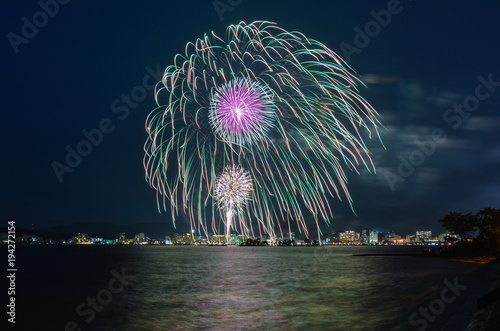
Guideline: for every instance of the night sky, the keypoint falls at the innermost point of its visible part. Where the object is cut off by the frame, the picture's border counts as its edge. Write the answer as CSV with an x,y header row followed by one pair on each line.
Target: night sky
x,y
426,72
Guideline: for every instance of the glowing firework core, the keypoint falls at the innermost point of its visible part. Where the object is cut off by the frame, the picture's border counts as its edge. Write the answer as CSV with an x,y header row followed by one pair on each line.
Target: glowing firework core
x,y
242,111
232,191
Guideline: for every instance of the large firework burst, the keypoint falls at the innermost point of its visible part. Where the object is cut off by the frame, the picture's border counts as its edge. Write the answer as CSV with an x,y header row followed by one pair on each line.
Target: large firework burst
x,y
283,106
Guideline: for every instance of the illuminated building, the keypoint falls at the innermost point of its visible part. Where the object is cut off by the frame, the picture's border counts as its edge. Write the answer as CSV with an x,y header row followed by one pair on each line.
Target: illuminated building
x,y
97,240
423,235
185,238
393,238
140,237
81,239
349,236
373,237
29,238
364,237
219,239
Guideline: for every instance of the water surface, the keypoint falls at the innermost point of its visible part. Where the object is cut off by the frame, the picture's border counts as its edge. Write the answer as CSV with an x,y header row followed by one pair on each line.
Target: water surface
x,y
229,288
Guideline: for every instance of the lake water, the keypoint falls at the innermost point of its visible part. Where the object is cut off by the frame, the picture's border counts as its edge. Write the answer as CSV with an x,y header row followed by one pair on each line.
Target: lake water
x,y
228,288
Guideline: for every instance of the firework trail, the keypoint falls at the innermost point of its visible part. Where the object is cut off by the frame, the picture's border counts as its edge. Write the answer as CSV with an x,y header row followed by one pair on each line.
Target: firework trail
x,y
280,105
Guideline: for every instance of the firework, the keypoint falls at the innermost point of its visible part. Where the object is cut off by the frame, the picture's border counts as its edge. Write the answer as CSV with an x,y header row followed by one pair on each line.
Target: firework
x,y
232,192
242,112
276,103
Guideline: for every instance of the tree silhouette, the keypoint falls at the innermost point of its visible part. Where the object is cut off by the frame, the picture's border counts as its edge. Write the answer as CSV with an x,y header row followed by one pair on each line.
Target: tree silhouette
x,y
465,225
488,222
485,223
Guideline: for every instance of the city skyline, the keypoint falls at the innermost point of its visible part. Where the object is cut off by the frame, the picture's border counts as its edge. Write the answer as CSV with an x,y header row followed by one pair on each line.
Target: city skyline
x,y
365,236
88,104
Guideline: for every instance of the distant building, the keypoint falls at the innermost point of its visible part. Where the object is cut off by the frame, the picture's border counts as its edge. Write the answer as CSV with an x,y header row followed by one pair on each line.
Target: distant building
x,y
373,237
121,238
364,237
392,235
97,240
80,239
423,235
278,241
349,236
217,239
140,238
31,238
220,239
290,235
394,238
185,238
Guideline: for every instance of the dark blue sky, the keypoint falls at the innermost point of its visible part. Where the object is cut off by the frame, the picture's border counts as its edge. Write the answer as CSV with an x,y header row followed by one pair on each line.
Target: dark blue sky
x,y
73,73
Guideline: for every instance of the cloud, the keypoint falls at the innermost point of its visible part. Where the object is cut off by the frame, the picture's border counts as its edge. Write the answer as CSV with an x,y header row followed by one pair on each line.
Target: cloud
x,y
380,79
483,123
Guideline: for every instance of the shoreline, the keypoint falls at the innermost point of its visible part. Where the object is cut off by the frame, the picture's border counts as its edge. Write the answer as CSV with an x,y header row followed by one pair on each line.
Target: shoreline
x,y
478,259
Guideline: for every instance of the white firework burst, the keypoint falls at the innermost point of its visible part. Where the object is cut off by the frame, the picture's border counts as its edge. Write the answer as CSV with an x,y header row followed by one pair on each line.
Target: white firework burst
x,y
232,192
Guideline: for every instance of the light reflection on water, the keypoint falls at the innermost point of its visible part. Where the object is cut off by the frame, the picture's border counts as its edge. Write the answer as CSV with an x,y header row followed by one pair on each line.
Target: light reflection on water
x,y
228,288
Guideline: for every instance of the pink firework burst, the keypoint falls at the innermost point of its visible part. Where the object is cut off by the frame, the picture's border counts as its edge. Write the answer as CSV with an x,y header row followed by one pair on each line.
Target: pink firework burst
x,y
242,111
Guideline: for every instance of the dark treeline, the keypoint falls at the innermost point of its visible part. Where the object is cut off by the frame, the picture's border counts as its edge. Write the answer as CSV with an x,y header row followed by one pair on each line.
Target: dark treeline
x,y
479,233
